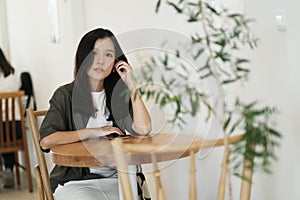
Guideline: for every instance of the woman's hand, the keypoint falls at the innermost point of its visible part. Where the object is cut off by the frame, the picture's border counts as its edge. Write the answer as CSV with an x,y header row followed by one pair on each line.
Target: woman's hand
x,y
125,71
106,130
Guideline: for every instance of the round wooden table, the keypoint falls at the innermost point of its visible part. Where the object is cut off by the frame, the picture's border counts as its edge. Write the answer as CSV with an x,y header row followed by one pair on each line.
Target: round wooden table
x,y
98,152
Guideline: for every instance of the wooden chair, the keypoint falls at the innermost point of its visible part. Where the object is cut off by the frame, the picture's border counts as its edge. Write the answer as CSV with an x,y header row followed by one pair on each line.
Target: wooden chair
x,y
11,107
246,180
122,151
41,170
39,182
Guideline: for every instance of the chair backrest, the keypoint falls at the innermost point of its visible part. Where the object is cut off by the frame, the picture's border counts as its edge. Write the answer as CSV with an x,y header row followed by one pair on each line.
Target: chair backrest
x,y
247,173
32,119
10,109
11,141
123,150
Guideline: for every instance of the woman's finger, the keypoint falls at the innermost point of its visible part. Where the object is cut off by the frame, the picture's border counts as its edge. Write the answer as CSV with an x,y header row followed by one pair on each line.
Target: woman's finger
x,y
110,129
122,67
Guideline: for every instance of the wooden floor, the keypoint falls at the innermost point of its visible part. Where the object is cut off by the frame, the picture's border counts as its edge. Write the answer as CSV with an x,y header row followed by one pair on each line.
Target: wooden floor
x,y
18,193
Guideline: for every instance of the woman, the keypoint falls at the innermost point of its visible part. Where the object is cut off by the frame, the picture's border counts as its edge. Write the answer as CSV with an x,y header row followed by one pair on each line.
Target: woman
x,y
93,105
9,82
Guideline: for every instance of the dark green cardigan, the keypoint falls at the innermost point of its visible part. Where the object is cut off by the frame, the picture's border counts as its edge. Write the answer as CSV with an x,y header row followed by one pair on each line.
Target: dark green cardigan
x,y
60,118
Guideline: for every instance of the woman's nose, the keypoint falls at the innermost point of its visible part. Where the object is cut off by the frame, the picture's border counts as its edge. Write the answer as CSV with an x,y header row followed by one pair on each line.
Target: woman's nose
x,y
100,60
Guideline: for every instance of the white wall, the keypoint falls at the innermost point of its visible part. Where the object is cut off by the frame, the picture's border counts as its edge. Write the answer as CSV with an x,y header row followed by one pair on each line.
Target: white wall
x,y
273,79
273,82
292,100
3,29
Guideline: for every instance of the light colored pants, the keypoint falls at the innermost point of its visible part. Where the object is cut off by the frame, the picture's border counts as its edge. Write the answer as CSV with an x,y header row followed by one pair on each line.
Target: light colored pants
x,y
100,189
94,189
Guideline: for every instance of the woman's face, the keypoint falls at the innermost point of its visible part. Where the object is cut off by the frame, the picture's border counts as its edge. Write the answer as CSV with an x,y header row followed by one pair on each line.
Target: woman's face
x,y
104,57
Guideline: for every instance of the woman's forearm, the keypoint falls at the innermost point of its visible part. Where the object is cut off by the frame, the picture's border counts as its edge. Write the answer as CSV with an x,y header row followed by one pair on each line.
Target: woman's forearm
x,y
141,117
64,137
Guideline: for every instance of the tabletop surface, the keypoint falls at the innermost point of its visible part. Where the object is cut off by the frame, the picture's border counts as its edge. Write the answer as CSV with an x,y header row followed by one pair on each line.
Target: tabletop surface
x,y
98,152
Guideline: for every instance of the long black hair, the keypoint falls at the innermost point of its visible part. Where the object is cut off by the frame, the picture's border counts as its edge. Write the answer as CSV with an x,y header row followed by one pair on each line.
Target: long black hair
x,y
5,66
113,85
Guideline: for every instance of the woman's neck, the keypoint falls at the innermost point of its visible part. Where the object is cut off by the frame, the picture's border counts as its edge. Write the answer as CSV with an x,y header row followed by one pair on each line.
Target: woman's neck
x,y
96,86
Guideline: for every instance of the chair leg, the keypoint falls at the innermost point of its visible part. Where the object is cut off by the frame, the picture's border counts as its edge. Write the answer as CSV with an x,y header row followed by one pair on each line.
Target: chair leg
x,y
193,186
1,167
1,163
28,172
26,169
39,182
160,195
17,169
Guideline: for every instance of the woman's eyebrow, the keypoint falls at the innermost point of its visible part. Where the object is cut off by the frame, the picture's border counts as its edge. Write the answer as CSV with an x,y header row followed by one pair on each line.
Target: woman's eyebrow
x,y
109,50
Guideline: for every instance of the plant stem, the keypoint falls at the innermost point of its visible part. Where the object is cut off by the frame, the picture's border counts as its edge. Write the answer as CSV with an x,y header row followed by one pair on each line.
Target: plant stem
x,y
225,168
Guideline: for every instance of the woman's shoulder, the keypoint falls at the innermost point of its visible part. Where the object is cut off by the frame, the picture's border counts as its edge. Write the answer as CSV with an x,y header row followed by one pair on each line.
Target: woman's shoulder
x,y
66,87
63,91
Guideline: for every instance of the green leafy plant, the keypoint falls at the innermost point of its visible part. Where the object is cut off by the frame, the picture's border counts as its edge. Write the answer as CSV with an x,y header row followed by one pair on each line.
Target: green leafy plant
x,y
219,41
259,133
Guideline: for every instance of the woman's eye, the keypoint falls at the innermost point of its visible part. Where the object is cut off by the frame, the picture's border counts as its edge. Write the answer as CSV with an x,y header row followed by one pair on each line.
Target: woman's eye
x,y
96,54
109,55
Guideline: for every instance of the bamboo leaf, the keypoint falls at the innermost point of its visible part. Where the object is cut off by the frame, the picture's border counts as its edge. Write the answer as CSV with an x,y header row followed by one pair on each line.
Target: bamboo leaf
x,y
177,53
221,42
196,39
227,122
157,97
242,69
194,17
230,81
234,15
222,55
236,124
165,60
157,6
199,52
274,132
179,10
241,60
212,9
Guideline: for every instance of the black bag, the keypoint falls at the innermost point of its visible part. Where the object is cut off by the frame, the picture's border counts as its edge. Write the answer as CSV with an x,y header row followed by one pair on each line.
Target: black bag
x,y
143,190
26,85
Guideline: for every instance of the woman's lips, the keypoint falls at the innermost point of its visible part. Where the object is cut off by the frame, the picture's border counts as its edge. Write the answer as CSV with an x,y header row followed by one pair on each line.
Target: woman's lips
x,y
98,70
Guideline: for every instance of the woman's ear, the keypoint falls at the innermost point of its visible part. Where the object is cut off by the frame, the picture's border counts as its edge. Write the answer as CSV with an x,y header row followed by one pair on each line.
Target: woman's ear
x,y
116,60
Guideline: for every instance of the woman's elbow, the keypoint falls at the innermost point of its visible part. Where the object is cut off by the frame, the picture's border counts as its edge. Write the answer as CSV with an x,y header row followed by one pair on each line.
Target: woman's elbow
x,y
44,143
142,130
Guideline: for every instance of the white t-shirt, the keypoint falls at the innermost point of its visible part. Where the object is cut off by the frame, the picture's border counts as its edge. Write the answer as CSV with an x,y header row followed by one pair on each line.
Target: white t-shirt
x,y
102,114
10,83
